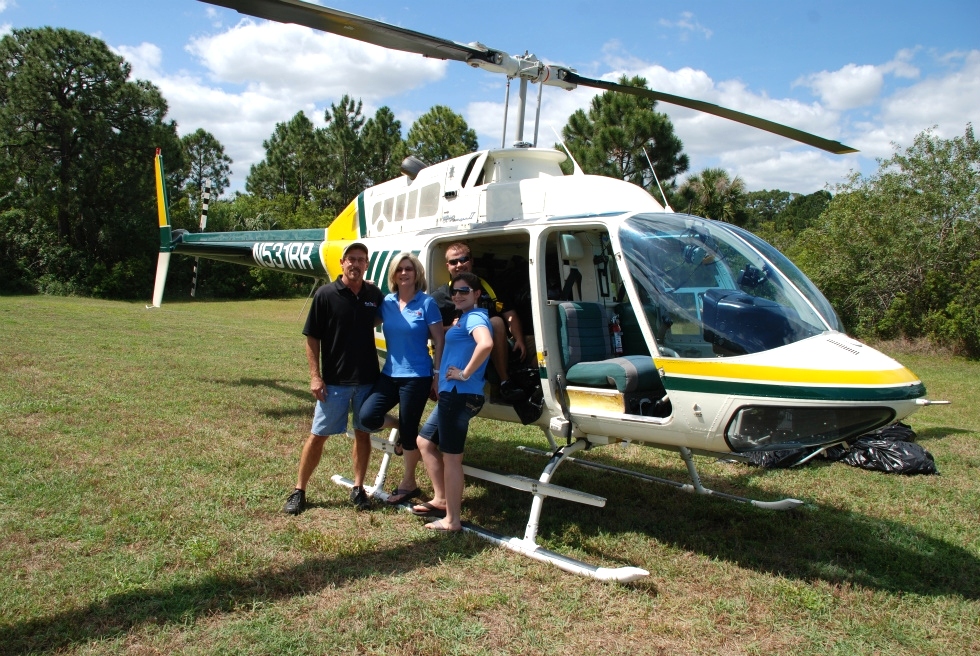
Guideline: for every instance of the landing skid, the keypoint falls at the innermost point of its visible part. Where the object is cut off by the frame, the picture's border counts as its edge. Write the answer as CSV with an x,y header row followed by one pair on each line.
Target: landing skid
x,y
694,487
540,489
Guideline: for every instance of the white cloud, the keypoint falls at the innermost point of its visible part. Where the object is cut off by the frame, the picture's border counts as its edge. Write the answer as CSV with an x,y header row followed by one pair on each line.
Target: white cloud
x,y
848,87
901,65
145,60
760,158
255,74
947,101
274,58
6,28
687,24
853,85
802,170
258,74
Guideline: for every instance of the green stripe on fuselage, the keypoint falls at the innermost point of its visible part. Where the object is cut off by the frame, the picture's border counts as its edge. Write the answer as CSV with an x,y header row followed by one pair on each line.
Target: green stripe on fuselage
x,y
361,216
727,387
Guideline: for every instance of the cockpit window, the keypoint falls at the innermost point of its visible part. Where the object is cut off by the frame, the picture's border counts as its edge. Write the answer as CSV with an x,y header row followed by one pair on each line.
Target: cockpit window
x,y
707,290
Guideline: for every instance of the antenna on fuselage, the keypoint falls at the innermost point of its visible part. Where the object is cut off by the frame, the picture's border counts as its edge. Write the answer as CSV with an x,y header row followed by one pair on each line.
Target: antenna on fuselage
x,y
576,169
667,207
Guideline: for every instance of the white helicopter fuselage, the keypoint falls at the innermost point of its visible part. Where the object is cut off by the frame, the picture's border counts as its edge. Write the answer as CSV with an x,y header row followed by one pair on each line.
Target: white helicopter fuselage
x,y
516,202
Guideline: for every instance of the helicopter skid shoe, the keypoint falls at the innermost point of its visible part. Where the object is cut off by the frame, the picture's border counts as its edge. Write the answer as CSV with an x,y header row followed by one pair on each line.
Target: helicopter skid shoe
x,y
695,487
571,565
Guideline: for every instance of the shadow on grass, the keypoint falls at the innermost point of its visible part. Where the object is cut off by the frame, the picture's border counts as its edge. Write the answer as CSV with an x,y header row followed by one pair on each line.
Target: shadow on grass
x,y
291,390
302,394
184,602
814,542
939,433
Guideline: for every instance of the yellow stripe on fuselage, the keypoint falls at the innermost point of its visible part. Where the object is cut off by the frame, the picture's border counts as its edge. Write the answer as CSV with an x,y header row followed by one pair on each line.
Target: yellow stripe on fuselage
x,y
783,375
344,227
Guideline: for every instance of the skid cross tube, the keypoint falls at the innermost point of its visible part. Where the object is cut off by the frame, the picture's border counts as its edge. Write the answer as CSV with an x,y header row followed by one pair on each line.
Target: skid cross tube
x,y
694,486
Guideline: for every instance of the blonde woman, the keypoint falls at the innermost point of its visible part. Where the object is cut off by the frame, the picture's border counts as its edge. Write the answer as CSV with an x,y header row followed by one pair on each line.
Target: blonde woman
x,y
409,319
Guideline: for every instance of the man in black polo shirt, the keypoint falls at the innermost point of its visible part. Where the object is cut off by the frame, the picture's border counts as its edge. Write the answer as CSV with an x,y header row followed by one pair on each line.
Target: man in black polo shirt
x,y
343,364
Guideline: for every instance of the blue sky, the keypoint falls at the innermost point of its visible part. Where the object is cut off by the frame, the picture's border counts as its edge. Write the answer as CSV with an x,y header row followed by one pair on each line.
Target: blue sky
x,y
869,74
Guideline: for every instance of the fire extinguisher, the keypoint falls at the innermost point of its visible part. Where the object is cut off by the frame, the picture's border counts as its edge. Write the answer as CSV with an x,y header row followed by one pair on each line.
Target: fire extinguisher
x,y
616,331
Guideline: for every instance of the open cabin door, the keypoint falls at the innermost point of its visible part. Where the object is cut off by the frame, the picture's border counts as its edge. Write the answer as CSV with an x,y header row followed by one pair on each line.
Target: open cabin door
x,y
598,357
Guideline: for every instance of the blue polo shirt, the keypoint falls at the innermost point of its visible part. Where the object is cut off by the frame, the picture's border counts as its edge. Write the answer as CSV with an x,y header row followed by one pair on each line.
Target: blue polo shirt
x,y
407,335
459,349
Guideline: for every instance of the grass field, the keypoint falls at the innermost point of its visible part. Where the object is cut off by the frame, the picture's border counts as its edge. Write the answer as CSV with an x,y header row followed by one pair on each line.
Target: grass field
x,y
146,456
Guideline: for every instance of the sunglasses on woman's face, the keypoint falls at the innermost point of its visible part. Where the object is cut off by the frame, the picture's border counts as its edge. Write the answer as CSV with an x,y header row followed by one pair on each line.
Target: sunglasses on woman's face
x,y
461,290
407,269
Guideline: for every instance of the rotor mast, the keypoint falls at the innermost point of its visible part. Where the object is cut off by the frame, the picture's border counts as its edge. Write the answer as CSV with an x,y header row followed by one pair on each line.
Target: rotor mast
x,y
527,68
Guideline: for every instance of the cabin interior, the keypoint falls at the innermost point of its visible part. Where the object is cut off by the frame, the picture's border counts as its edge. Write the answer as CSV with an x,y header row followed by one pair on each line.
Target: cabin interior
x,y
568,292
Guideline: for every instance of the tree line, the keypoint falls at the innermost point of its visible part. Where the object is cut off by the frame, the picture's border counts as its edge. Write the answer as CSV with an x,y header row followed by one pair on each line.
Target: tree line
x,y
895,252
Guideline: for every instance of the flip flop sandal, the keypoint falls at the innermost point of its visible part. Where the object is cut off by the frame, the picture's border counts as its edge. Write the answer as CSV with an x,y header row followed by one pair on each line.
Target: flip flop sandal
x,y
428,510
403,495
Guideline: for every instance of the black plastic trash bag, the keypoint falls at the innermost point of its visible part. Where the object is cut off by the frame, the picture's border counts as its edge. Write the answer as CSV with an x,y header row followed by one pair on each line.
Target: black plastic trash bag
x,y
837,452
779,459
890,456
897,432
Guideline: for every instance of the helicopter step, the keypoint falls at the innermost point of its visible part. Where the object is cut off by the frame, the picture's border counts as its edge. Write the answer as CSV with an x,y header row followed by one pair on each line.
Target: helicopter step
x,y
540,489
694,487
533,486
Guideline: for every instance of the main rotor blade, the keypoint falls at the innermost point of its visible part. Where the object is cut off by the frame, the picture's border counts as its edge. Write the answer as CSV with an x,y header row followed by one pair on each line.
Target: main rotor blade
x,y
397,38
354,27
747,119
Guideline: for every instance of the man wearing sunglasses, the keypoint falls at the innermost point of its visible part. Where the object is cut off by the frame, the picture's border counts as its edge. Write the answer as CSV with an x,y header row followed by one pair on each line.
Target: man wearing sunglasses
x,y
503,317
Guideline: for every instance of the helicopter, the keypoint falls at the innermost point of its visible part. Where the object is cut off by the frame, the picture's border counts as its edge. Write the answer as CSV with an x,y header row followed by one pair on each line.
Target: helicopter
x,y
650,327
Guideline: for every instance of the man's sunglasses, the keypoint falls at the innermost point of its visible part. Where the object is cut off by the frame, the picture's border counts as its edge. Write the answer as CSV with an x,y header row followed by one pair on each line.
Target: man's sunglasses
x,y
460,290
459,260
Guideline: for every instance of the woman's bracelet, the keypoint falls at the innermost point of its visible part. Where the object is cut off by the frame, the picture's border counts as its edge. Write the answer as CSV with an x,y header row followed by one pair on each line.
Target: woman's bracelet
x,y
462,377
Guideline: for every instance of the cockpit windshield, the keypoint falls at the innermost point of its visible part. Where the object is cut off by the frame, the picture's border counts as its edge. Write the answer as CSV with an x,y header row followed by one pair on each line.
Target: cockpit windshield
x,y
708,289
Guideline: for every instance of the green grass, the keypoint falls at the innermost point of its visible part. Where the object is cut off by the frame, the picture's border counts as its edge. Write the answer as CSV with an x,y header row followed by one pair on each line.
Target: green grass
x,y
146,456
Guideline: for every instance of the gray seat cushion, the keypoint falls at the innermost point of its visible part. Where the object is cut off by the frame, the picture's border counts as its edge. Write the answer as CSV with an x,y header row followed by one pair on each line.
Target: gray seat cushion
x,y
584,332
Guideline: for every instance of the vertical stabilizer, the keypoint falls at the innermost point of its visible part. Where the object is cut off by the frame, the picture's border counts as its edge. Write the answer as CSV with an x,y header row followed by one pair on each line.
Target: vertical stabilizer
x,y
163,218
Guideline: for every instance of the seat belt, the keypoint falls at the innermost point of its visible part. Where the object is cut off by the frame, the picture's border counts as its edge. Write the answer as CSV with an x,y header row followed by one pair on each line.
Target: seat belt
x,y
574,279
